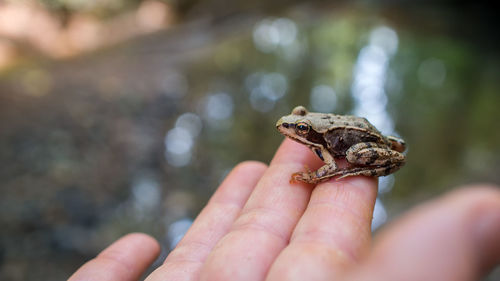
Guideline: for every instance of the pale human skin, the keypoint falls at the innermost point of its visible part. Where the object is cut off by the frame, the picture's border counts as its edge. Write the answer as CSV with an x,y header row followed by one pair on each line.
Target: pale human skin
x,y
258,226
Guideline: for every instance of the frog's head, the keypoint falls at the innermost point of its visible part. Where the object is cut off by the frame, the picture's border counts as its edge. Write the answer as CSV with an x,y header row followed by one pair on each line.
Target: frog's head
x,y
299,126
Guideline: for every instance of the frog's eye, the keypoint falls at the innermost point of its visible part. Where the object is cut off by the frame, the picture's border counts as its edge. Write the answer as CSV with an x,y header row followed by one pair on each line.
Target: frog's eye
x,y
302,128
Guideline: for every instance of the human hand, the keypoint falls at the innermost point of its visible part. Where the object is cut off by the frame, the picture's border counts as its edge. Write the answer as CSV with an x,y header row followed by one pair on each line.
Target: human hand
x,y
258,226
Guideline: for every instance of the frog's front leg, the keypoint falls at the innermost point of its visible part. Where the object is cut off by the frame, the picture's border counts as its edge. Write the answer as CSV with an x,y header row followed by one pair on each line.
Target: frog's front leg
x,y
320,174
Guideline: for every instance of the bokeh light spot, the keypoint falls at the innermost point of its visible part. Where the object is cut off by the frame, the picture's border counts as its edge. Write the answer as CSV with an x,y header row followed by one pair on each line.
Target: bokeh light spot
x,y
270,34
219,107
385,38
146,194
178,143
190,122
177,230
323,99
379,215
432,72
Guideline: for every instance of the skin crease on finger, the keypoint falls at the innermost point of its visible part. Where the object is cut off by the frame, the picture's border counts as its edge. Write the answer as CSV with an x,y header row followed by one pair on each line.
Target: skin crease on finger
x,y
454,238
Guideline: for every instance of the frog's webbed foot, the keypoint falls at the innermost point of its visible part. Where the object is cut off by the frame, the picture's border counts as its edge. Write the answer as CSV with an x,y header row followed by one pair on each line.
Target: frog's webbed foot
x,y
302,176
309,177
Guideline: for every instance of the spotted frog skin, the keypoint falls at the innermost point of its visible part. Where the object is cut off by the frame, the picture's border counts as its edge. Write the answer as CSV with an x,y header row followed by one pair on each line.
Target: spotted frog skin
x,y
330,136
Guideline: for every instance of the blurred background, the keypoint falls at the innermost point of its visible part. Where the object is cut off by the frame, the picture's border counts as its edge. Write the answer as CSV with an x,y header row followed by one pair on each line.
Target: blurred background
x,y
124,115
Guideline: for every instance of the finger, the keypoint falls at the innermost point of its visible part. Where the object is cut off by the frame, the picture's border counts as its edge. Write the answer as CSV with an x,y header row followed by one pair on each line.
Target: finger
x,y
454,238
264,227
333,233
185,261
125,259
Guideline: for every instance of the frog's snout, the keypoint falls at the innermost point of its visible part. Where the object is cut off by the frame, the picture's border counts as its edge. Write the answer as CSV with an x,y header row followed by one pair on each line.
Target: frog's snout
x,y
278,124
282,124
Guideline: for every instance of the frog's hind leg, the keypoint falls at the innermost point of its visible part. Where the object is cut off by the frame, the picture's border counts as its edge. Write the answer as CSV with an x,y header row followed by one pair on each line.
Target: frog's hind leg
x,y
367,171
372,159
373,154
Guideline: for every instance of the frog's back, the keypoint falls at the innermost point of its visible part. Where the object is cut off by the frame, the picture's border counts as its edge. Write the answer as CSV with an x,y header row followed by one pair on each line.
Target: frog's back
x,y
346,131
354,121
332,121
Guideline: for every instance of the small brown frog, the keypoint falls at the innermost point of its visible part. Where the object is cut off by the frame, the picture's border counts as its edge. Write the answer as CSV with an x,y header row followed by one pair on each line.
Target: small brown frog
x,y
330,136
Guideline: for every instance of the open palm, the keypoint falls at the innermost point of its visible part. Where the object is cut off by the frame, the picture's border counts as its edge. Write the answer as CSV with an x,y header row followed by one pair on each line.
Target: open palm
x,y
258,226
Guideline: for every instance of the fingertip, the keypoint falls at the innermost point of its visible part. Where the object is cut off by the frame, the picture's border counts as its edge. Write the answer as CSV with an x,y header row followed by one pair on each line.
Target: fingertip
x,y
132,246
250,167
240,182
147,241
293,152
125,259
481,205
476,195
